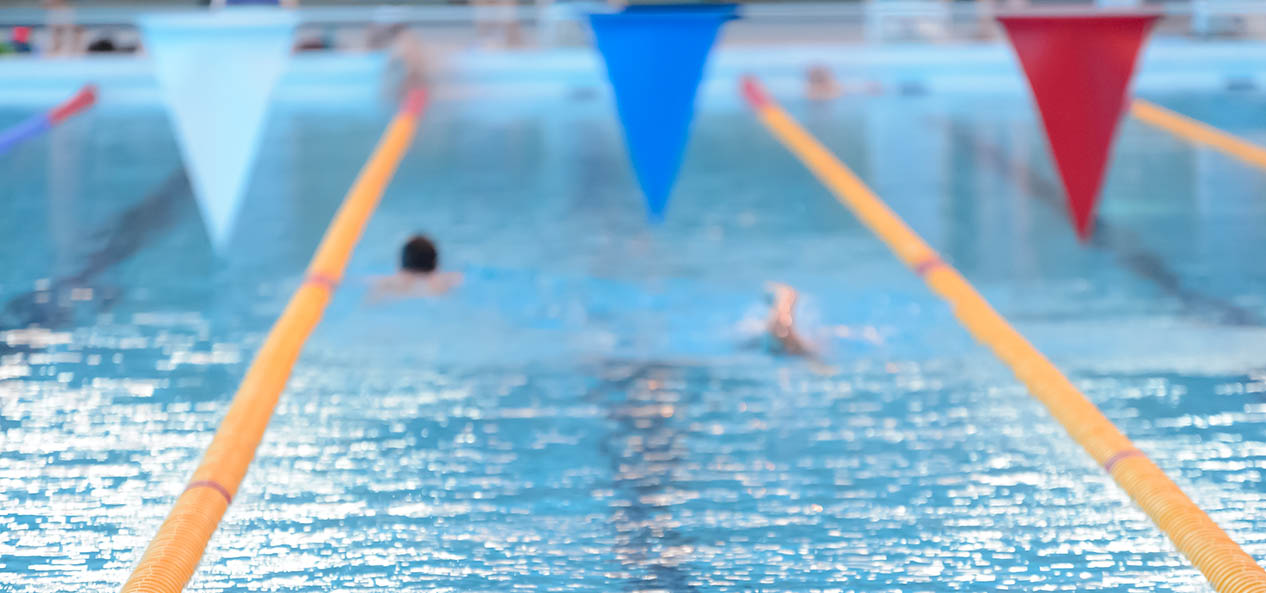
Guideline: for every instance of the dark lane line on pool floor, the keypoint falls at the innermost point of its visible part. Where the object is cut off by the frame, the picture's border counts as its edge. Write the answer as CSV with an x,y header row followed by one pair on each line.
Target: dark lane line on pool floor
x,y
120,239
1121,242
634,399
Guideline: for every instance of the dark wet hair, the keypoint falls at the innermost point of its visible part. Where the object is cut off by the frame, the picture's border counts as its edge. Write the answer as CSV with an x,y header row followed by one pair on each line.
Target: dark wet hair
x,y
419,255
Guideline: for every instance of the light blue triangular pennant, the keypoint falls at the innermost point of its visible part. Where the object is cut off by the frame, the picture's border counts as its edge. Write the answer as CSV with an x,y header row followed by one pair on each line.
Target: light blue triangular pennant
x,y
217,70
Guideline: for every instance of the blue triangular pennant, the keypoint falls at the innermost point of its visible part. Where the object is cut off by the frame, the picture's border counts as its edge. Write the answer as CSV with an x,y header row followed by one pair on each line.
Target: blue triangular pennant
x,y
655,57
216,71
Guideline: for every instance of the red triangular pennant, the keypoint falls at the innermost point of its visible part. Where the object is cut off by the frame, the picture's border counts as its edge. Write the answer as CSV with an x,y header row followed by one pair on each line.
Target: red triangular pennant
x,y
1079,67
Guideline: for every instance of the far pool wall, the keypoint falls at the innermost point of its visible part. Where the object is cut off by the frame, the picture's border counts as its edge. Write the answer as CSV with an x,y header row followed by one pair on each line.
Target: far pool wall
x,y
331,79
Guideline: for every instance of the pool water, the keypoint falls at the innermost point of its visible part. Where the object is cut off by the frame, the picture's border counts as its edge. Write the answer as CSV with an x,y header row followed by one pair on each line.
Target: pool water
x,y
590,411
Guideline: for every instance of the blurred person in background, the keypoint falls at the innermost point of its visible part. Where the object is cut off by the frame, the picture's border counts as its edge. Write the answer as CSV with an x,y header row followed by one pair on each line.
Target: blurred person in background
x,y
406,61
820,84
62,36
313,40
497,22
223,3
20,40
102,45
986,10
107,41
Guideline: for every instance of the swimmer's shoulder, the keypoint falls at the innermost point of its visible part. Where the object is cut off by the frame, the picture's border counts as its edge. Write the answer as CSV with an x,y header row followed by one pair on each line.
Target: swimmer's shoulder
x,y
438,283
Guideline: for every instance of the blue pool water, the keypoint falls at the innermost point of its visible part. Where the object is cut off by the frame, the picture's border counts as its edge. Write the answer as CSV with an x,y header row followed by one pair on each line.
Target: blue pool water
x,y
587,412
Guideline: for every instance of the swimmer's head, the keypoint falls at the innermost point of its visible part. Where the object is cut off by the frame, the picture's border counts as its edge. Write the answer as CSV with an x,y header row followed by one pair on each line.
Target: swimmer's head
x,y
819,75
419,255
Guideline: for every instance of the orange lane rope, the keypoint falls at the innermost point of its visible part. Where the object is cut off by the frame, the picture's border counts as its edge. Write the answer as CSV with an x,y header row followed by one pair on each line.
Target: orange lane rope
x,y
1227,566
173,554
1198,132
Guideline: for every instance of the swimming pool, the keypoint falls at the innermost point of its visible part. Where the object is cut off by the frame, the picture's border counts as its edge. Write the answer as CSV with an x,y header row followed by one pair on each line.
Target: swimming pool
x,y
587,412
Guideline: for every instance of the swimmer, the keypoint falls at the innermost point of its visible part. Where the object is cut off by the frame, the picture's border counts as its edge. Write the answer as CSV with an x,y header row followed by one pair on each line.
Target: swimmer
x,y
419,274
820,84
781,325
408,68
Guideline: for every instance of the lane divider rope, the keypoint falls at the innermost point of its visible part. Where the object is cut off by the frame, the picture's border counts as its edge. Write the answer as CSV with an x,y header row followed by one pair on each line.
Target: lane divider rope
x,y
172,556
1118,456
1198,132
927,264
323,280
1223,562
212,484
37,124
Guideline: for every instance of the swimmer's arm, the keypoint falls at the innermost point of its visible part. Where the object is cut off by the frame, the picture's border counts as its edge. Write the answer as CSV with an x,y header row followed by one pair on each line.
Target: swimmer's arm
x,y
793,344
398,287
